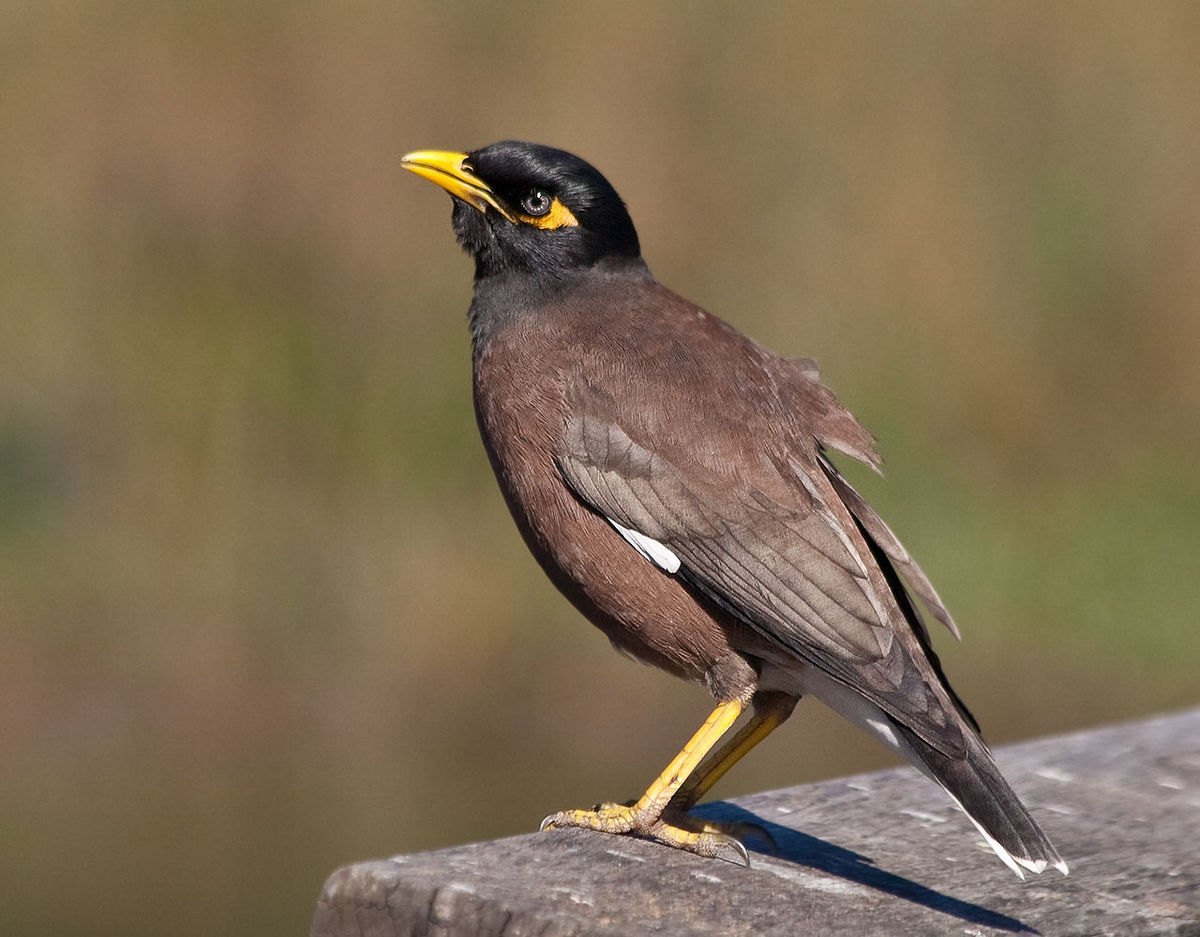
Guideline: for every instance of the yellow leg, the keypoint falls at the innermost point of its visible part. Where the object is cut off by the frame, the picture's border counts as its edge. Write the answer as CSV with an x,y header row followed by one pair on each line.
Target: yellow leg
x,y
770,711
644,817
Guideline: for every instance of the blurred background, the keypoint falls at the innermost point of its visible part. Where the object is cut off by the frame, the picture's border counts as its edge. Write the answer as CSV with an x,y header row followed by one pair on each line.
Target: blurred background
x,y
262,611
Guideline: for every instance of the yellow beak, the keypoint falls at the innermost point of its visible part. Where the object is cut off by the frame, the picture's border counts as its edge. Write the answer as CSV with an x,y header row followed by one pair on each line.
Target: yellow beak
x,y
452,172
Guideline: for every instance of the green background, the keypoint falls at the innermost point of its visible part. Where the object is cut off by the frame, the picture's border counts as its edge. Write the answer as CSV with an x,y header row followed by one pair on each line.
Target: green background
x,y
262,610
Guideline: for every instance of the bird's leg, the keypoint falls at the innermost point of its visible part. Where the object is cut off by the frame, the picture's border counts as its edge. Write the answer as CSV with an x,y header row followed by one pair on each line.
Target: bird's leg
x,y
770,711
645,816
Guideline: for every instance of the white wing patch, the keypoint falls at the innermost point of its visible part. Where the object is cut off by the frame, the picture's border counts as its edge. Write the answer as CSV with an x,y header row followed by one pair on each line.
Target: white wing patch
x,y
649,548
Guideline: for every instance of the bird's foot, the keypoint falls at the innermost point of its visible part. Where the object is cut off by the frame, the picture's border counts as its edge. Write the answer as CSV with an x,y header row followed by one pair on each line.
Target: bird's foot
x,y
673,828
604,818
736,831
740,830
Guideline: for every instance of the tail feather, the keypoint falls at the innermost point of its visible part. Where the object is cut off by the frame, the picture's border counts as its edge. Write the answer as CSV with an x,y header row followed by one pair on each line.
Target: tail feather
x,y
976,784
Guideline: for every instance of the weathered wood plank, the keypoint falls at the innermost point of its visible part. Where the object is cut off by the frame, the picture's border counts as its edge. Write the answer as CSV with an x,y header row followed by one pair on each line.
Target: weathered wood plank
x,y
880,853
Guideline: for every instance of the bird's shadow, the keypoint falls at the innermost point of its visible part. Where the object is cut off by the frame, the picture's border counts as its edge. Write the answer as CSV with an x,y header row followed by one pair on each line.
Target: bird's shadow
x,y
802,849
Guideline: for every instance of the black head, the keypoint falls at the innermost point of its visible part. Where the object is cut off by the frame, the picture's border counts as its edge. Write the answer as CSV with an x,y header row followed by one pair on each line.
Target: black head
x,y
526,208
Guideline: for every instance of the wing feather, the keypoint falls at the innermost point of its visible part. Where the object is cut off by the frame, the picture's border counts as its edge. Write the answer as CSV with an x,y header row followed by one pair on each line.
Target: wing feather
x,y
781,550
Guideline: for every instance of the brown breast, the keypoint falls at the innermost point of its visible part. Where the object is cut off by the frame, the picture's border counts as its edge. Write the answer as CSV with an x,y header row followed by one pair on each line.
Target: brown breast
x,y
521,377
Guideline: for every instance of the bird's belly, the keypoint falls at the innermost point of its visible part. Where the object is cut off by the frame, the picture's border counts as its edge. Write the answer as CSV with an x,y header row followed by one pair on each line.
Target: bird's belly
x,y
643,611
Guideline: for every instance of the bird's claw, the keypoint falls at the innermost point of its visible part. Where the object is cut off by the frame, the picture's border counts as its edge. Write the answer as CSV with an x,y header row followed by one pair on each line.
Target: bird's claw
x,y
706,838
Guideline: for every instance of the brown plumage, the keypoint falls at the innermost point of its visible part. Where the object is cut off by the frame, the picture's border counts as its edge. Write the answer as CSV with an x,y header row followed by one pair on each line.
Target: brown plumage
x,y
671,477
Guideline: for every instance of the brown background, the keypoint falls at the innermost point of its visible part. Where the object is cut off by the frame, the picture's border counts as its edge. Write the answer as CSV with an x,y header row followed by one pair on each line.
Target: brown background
x,y
261,608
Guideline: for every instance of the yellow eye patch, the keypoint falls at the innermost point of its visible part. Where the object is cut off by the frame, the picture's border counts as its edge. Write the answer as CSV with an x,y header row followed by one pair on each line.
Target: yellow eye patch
x,y
559,216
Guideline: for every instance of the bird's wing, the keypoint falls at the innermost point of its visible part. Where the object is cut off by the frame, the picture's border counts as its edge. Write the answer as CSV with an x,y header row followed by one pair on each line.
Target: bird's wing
x,y
833,426
879,532
775,542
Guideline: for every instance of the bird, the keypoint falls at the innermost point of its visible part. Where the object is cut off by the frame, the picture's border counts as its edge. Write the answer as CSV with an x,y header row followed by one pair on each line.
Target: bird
x,y
674,480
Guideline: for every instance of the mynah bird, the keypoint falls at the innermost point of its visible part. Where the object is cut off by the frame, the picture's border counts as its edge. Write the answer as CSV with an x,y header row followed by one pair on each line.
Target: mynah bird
x,y
673,479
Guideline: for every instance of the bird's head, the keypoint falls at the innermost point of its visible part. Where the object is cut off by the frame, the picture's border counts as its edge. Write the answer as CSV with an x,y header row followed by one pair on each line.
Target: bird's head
x,y
523,207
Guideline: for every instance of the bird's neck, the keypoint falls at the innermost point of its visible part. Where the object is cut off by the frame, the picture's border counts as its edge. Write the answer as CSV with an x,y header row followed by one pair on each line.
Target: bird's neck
x,y
504,297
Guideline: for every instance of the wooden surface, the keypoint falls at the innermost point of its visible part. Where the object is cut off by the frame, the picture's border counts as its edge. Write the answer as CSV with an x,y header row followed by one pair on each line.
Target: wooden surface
x,y
881,853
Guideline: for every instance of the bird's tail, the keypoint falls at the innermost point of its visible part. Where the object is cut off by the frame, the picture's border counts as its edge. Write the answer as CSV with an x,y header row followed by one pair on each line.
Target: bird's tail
x,y
976,784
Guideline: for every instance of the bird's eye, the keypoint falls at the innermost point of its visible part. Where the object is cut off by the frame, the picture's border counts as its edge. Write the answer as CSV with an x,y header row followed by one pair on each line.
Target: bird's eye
x,y
536,203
